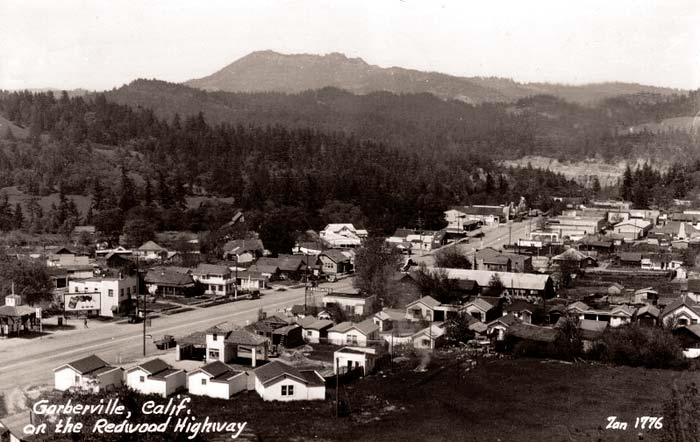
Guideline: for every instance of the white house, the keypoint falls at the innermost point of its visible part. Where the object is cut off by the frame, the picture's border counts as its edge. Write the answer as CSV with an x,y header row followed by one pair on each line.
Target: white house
x,y
150,251
64,258
633,229
99,296
350,358
155,377
682,311
226,342
314,330
217,280
387,317
480,309
343,235
430,337
90,374
353,303
422,309
216,380
276,381
357,334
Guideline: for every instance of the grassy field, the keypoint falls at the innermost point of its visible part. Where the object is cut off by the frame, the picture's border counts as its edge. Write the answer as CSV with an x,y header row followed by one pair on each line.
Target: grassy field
x,y
500,400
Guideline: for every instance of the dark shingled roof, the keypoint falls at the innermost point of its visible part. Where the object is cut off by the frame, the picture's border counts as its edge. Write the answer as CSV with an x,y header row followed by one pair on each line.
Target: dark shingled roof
x,y
88,364
275,369
154,366
168,277
533,332
217,369
161,375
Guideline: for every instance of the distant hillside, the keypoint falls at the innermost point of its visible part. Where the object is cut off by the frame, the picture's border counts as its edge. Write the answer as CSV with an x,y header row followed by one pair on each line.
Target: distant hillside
x,y
268,71
16,131
539,125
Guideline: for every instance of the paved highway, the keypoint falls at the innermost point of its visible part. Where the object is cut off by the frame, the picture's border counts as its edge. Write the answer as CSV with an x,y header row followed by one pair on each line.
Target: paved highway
x,y
495,237
26,363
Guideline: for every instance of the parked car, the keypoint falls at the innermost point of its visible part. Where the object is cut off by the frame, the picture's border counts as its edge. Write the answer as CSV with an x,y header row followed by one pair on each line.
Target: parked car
x,y
166,342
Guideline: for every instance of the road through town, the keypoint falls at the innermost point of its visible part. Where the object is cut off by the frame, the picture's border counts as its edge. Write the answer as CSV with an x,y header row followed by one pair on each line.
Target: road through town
x,y
29,363
495,237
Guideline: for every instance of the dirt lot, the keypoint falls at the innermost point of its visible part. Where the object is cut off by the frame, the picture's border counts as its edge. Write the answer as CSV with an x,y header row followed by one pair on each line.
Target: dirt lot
x,y
506,400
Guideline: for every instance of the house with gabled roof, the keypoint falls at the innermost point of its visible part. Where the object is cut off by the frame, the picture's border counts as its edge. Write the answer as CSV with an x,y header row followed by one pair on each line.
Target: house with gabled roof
x,y
647,316
354,358
334,263
243,251
276,381
216,279
361,334
633,229
12,428
499,326
216,380
682,311
90,374
166,282
482,309
155,377
267,267
342,235
315,330
351,301
226,342
430,337
387,317
572,259
150,251
422,309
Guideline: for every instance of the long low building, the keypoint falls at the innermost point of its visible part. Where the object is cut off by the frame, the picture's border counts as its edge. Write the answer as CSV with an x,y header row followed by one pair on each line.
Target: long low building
x,y
522,285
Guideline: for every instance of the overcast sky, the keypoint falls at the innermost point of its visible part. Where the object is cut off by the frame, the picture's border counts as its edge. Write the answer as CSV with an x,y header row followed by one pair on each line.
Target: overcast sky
x,y
103,44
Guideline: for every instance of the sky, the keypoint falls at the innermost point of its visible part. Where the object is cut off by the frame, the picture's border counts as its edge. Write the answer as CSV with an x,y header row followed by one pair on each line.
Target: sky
x,y
101,44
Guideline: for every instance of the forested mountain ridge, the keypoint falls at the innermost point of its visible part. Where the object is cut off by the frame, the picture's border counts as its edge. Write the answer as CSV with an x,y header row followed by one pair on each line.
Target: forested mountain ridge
x,y
269,71
540,125
286,179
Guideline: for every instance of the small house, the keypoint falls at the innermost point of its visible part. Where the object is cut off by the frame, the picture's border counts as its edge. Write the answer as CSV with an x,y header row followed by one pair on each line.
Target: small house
x,y
354,358
91,374
226,342
315,330
430,337
357,334
155,377
216,380
422,309
276,381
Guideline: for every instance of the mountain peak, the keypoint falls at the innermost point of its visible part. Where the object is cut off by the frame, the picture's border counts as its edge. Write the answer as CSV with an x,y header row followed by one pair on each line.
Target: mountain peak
x,y
270,71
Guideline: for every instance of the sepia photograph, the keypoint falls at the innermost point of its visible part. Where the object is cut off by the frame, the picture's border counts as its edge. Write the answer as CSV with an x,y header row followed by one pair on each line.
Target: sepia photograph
x,y
350,220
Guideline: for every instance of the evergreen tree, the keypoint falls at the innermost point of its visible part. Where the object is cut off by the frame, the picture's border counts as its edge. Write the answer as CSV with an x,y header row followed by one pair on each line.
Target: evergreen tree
x,y
627,183
127,197
19,217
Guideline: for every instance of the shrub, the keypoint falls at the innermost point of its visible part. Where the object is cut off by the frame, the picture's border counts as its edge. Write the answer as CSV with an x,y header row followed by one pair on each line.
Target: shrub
x,y
639,347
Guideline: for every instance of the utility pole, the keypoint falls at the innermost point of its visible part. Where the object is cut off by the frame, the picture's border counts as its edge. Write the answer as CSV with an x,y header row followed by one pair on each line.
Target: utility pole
x,y
337,386
235,282
138,292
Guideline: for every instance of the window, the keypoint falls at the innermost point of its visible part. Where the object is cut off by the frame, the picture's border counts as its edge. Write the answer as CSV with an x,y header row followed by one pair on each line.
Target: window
x,y
128,291
214,337
288,390
204,381
121,293
110,292
351,339
77,379
213,354
309,332
142,378
426,342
